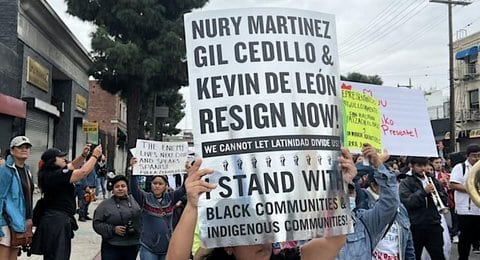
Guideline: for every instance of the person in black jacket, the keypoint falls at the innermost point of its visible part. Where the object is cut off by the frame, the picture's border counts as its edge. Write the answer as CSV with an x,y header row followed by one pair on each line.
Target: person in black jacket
x,y
416,193
56,222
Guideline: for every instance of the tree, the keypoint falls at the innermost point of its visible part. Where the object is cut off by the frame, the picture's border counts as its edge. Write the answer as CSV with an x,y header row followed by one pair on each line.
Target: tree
x,y
168,98
358,77
138,49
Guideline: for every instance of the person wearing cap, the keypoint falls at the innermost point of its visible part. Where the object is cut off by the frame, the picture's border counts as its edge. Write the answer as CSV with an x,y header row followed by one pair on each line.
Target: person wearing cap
x,y
416,194
16,195
468,213
119,221
157,210
56,223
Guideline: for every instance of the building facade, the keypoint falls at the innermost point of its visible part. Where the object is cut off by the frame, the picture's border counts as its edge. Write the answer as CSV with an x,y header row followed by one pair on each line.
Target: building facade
x,y
467,85
45,76
438,112
110,112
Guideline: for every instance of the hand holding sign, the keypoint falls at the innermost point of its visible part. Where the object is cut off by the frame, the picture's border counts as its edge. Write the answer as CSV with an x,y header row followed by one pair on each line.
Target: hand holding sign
x,y
194,183
347,166
133,161
371,154
182,238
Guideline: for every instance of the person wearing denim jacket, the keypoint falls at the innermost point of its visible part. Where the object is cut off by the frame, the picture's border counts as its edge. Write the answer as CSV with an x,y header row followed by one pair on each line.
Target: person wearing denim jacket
x,y
370,224
406,249
16,191
13,204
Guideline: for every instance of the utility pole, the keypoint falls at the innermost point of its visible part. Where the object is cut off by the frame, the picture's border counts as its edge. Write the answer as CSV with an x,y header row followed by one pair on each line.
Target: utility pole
x,y
450,3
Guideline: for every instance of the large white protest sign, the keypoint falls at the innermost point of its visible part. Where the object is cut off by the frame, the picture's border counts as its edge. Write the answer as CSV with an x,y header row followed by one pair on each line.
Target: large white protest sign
x,y
404,121
267,117
160,158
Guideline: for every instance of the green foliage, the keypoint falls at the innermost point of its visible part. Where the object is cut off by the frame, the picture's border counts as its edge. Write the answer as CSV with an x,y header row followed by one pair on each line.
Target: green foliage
x,y
138,49
358,77
171,99
176,104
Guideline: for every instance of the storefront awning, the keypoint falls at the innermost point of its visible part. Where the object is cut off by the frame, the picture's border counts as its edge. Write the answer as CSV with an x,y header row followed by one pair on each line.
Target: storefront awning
x,y
13,106
122,132
472,51
475,133
121,136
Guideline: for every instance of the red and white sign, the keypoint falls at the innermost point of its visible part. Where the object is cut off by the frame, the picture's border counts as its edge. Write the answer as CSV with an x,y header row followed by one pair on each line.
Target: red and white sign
x,y
405,125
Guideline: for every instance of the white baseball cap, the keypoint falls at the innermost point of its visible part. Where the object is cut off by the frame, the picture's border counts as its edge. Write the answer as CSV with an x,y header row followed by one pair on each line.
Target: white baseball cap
x,y
19,141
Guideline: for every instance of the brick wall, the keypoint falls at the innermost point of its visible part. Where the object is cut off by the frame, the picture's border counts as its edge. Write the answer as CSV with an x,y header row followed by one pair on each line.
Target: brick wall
x,y
102,107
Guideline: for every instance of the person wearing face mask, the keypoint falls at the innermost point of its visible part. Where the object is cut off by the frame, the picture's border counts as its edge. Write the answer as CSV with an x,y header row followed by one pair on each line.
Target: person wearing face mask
x,y
416,193
56,223
157,211
370,223
119,221
468,213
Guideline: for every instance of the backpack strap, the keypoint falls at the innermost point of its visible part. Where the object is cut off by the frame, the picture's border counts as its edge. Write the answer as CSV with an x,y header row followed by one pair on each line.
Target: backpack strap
x,y
464,168
390,224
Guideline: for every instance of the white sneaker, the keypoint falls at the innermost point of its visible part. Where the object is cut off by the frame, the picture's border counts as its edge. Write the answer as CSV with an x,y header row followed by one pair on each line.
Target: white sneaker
x,y
455,239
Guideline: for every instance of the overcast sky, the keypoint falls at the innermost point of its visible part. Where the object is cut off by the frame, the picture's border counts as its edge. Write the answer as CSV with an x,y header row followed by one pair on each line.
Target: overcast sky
x,y
396,39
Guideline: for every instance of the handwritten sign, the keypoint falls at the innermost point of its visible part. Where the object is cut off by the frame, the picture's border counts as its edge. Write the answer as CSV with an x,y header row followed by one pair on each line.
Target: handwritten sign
x,y
404,121
160,158
267,118
361,116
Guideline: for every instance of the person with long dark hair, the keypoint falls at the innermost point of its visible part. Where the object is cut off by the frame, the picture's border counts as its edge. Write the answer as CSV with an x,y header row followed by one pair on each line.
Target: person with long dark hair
x,y
56,222
157,210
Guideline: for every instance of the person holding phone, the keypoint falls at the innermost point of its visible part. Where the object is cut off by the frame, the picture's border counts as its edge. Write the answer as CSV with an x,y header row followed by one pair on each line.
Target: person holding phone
x,y
56,178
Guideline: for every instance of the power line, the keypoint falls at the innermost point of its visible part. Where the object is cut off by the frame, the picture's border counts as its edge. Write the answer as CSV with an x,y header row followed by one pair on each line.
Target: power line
x,y
415,75
453,126
404,19
372,23
373,28
410,40
385,27
395,46
395,72
475,20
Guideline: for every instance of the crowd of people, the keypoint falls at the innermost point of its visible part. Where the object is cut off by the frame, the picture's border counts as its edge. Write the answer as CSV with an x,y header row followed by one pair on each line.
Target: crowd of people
x,y
402,208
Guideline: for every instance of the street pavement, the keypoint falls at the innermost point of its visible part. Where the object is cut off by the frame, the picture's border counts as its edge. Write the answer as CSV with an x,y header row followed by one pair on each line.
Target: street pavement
x,y
86,243
454,255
